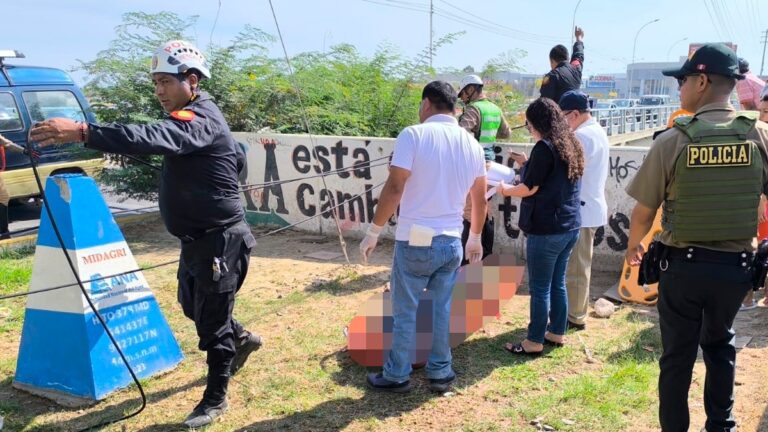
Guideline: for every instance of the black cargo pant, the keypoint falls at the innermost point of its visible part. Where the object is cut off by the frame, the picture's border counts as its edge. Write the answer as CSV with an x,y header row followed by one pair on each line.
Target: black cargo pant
x,y
209,302
698,301
486,237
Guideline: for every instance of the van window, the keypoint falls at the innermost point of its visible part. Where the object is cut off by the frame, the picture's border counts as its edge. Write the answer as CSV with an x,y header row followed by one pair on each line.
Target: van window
x,y
43,105
10,120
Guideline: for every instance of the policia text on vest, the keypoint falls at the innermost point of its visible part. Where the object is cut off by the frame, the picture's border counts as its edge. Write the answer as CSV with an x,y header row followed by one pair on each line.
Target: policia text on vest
x,y
718,155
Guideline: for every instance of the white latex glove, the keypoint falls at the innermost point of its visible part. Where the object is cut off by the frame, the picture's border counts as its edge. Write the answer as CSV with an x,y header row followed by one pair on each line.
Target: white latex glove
x,y
473,252
369,241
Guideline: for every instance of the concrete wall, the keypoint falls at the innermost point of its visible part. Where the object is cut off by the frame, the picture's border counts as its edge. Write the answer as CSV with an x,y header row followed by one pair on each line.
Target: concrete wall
x,y
273,157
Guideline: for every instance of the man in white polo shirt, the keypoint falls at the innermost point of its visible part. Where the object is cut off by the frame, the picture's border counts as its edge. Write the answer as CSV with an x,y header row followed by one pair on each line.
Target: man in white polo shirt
x,y
594,209
435,165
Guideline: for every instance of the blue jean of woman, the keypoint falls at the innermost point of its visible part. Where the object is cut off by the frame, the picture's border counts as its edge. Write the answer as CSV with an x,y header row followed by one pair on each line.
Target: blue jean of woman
x,y
547,260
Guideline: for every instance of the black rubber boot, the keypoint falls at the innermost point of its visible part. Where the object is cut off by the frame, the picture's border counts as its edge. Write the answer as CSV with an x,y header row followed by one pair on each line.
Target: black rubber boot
x,y
4,234
246,344
213,405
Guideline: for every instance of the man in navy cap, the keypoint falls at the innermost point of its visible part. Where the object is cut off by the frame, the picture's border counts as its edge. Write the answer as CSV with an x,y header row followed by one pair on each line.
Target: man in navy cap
x,y
594,209
708,172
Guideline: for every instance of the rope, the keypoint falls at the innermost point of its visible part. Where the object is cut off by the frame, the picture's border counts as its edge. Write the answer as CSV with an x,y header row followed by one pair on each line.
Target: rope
x,y
306,124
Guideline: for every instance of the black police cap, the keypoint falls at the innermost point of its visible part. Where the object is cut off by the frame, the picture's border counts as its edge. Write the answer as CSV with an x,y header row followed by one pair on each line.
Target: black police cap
x,y
714,58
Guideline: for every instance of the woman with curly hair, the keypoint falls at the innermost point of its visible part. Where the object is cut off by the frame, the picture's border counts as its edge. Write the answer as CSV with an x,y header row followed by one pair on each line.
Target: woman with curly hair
x,y
550,218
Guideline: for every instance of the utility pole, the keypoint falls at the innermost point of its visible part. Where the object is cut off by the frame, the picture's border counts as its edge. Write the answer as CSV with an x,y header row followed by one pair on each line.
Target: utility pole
x,y
764,41
431,32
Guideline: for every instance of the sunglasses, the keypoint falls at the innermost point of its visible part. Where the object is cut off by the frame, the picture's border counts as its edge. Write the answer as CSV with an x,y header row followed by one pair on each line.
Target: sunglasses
x,y
683,79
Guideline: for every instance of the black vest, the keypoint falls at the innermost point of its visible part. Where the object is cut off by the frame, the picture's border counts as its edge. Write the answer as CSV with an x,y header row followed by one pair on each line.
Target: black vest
x,y
555,207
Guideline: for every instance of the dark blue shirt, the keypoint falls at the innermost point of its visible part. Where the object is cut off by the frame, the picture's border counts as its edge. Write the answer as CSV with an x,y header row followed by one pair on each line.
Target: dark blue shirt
x,y
555,207
199,182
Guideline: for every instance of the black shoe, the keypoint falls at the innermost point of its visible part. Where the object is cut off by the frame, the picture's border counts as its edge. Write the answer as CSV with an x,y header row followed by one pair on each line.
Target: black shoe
x,y
245,347
377,382
205,413
576,327
442,385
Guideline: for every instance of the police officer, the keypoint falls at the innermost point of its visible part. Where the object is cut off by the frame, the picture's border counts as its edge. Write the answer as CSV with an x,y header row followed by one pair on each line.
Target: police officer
x,y
199,202
564,76
708,172
485,120
481,117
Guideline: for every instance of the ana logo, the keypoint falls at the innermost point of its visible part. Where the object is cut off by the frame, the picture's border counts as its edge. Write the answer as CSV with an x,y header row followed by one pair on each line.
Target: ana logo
x,y
98,285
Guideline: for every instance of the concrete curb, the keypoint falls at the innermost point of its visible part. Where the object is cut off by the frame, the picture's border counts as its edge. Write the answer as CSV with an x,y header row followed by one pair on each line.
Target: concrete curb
x,y
31,239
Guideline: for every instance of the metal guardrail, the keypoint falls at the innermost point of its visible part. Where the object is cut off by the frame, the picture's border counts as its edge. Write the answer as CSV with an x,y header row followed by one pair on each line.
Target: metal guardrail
x,y
618,121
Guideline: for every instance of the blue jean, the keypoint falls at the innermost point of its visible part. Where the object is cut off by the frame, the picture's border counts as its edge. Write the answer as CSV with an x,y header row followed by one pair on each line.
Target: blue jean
x,y
414,269
547,262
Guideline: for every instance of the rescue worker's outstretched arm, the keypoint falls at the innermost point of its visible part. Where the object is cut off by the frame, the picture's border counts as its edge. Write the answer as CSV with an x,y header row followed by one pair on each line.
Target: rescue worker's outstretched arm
x,y
168,137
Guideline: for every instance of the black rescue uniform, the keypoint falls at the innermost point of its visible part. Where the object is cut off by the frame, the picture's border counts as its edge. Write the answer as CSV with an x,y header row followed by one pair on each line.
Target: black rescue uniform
x,y
200,204
709,187
566,76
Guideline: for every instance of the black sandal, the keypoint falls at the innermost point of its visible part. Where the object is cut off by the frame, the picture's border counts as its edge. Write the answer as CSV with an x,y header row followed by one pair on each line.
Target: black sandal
x,y
518,349
553,343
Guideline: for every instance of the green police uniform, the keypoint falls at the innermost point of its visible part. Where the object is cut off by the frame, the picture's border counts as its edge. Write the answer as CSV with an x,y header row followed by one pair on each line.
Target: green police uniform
x,y
706,173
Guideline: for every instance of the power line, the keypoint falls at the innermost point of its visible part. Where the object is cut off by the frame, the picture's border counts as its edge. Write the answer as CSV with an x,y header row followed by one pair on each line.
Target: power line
x,y
501,26
712,19
397,7
765,42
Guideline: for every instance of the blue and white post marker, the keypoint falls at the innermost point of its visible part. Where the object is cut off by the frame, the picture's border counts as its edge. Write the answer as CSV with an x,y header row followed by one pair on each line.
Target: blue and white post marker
x,y
65,354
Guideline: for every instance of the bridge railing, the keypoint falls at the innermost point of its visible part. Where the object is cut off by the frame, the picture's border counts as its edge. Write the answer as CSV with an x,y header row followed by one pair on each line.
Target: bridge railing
x,y
617,121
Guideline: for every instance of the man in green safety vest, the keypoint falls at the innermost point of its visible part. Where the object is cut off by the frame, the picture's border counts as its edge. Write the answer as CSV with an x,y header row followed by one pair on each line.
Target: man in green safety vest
x,y
485,121
481,117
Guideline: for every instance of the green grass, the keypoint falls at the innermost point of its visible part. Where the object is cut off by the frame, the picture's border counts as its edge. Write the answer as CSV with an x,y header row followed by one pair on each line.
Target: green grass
x,y
302,379
15,273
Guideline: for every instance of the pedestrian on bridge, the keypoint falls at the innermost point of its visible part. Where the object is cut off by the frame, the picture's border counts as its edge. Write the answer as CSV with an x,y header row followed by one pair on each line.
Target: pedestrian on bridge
x,y
199,202
708,172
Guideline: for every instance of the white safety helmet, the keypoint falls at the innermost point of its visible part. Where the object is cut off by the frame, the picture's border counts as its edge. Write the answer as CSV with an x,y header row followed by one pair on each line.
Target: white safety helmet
x,y
177,57
469,79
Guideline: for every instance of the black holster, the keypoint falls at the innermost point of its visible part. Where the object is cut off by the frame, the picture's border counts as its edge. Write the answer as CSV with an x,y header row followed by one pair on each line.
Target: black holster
x,y
650,266
760,265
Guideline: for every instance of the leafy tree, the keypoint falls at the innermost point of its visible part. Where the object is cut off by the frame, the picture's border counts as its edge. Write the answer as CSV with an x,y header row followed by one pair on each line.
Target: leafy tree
x,y
338,92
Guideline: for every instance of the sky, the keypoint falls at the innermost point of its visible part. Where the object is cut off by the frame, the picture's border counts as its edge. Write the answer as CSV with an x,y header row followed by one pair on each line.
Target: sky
x,y
57,33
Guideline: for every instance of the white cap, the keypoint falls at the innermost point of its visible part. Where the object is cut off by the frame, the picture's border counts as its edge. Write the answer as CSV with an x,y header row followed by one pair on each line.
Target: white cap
x,y
469,79
177,57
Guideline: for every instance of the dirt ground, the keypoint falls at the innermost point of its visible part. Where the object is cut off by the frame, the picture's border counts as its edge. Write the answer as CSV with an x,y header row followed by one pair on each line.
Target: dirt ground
x,y
279,272
287,266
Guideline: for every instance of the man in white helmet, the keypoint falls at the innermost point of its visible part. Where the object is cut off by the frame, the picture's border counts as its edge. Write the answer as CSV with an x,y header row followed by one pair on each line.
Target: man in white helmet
x,y
199,202
485,120
481,117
